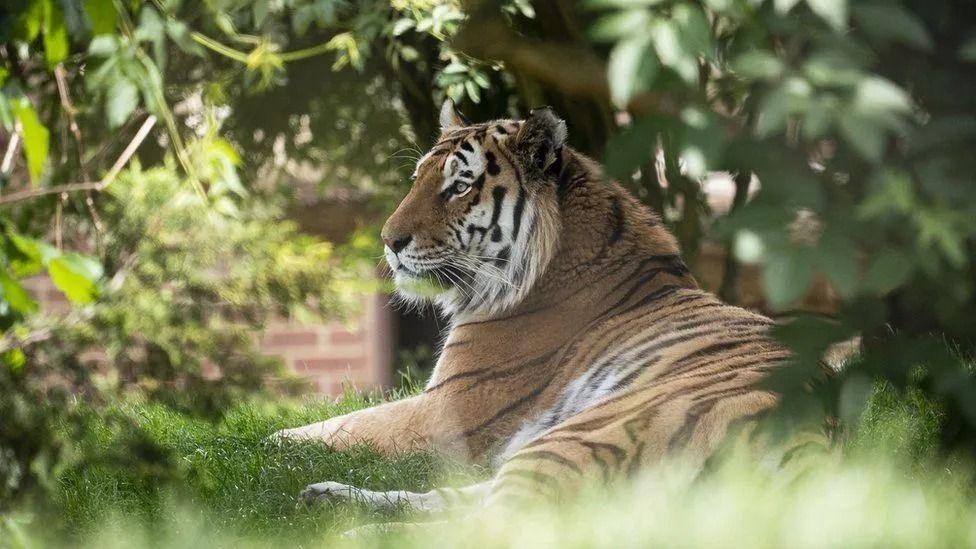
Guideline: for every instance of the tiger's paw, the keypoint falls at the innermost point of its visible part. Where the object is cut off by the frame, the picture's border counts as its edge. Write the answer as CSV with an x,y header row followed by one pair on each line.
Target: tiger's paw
x,y
330,491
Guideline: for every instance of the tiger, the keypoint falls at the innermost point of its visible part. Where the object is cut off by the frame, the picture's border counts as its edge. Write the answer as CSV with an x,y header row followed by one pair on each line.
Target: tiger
x,y
580,346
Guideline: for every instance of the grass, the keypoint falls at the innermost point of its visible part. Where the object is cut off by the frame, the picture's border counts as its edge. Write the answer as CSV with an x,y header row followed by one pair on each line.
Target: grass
x,y
885,488
243,483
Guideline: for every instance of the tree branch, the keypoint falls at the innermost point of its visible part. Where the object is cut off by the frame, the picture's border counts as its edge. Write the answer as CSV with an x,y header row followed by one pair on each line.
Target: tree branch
x,y
120,163
570,69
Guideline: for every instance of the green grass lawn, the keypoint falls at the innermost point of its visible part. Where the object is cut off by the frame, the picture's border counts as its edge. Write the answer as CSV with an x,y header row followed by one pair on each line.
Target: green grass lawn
x,y
241,482
234,488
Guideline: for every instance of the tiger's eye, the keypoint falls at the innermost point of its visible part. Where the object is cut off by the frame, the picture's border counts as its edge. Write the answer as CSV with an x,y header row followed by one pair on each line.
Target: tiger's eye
x,y
460,188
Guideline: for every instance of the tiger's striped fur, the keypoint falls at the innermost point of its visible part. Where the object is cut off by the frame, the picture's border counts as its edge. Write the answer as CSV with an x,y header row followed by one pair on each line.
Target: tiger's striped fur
x,y
580,344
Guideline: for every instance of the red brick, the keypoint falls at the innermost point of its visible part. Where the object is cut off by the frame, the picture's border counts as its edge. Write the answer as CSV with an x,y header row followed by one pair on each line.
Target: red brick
x,y
341,336
330,364
288,338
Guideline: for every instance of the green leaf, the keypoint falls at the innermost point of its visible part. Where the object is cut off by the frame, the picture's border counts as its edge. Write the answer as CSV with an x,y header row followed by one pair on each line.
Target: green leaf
x,y
937,227
101,15
26,255
783,6
122,99
402,26
786,276
878,95
758,64
672,52
15,295
619,25
892,22
36,138
838,259
866,136
472,90
259,10
103,46
15,359
179,33
891,192
834,12
631,69
602,4
55,34
76,276
887,270
632,147
967,52
29,23
302,18
693,29
818,117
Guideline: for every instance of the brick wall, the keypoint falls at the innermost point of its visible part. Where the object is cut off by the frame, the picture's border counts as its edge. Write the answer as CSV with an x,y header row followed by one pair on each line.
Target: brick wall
x,y
358,352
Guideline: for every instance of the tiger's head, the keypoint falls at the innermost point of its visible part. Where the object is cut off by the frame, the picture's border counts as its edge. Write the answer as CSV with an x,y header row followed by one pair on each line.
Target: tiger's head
x,y
481,221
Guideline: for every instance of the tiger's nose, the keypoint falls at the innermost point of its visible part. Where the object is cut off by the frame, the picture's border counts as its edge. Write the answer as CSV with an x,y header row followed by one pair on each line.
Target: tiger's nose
x,y
397,243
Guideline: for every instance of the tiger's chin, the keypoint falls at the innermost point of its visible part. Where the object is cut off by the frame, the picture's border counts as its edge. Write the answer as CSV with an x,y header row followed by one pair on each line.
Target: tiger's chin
x,y
416,290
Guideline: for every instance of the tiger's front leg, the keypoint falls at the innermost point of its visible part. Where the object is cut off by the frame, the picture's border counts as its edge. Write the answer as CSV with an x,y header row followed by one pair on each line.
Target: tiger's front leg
x,y
408,425
434,501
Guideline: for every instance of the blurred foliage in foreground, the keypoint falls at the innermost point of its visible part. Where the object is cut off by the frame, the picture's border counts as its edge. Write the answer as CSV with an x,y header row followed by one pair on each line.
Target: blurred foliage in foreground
x,y
152,148
888,487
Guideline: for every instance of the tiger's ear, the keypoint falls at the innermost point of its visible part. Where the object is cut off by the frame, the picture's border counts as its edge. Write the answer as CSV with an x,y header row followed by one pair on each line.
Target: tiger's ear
x,y
450,117
539,142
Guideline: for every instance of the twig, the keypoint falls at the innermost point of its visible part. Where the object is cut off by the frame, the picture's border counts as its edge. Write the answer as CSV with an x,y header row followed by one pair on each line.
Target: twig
x,y
8,157
120,163
69,111
41,332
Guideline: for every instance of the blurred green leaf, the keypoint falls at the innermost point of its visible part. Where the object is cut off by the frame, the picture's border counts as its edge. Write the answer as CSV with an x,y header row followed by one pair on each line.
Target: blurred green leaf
x,y
55,33
600,4
889,21
887,270
938,227
786,276
878,95
633,146
838,259
834,12
631,69
967,51
693,29
35,138
179,33
15,359
101,15
818,117
864,134
672,50
15,295
76,276
892,191
103,46
259,11
619,25
402,26
783,6
121,100
758,64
